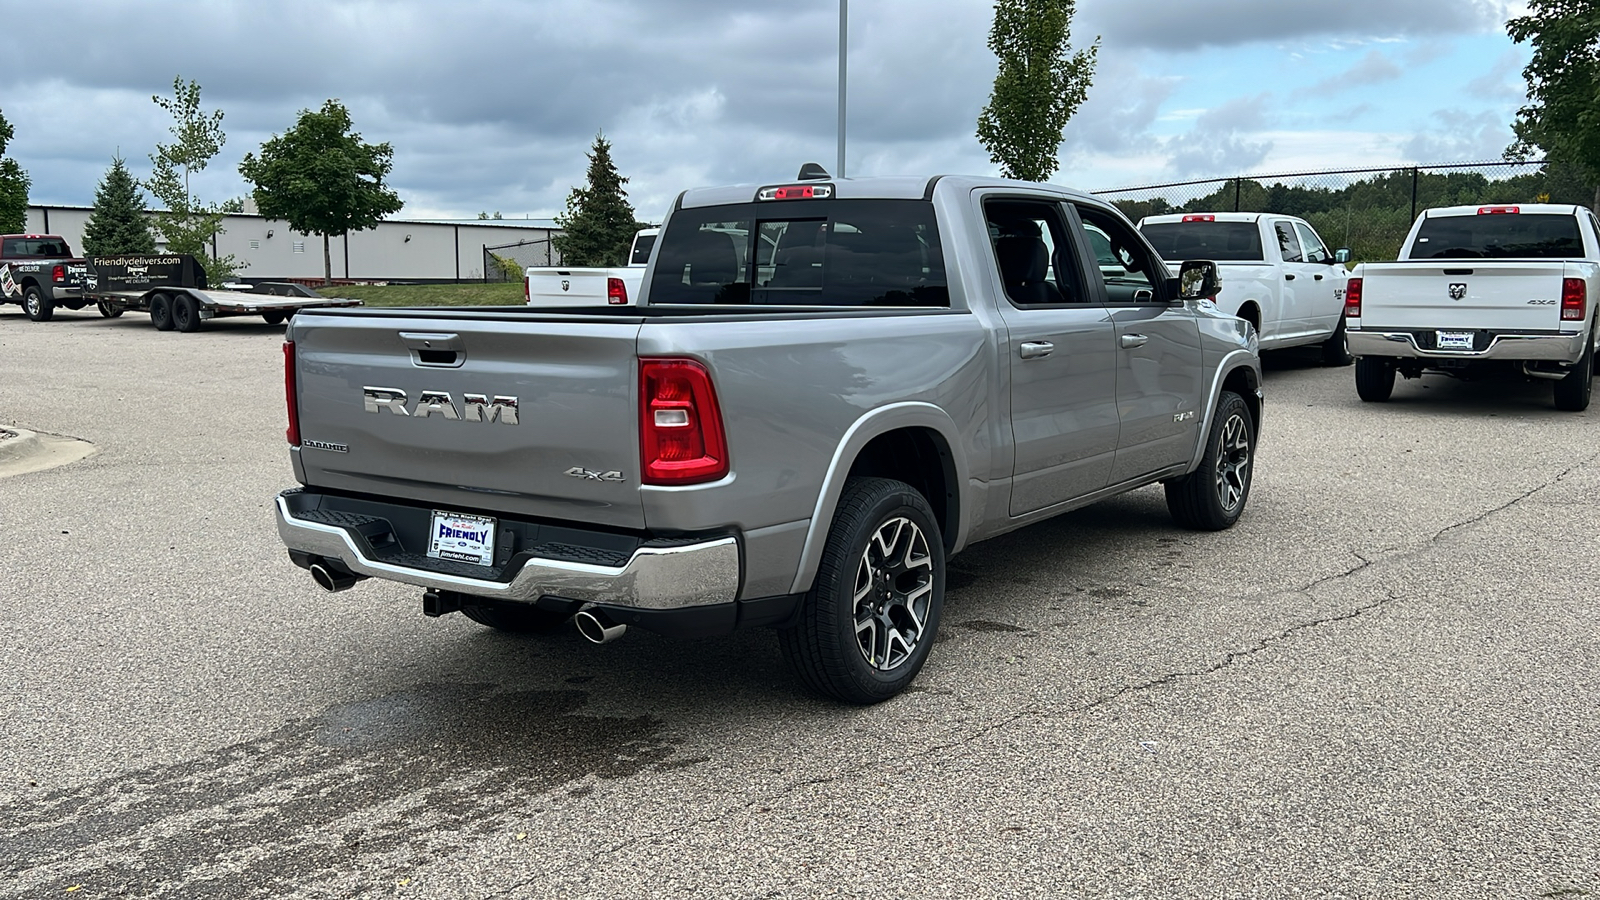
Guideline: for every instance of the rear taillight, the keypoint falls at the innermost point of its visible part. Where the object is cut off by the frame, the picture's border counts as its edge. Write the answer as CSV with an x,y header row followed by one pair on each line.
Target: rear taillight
x,y
1574,299
616,292
680,426
59,273
1352,299
292,396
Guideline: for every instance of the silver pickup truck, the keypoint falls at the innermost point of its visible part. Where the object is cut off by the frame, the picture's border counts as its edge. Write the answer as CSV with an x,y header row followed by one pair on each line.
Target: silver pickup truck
x,y
829,388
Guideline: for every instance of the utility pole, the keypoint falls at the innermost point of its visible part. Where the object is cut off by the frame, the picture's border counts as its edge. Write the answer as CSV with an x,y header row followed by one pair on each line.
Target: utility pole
x,y
844,18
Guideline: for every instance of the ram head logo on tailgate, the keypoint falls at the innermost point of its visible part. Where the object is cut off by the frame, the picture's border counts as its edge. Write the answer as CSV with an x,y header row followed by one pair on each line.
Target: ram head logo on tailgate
x,y
474,407
1458,291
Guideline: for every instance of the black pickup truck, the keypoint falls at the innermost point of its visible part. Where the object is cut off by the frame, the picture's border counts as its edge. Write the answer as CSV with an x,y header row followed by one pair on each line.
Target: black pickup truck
x,y
38,272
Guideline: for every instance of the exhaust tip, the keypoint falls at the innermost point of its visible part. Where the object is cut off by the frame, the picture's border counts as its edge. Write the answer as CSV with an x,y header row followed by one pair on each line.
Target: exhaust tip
x,y
331,579
597,627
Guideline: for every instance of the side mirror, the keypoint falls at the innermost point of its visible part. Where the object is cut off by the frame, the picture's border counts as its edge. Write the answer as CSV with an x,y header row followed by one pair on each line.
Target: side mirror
x,y
1198,280
1341,255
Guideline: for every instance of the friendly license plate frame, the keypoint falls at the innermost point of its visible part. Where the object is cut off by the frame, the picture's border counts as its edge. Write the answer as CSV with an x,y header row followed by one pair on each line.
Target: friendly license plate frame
x,y
1453,340
462,537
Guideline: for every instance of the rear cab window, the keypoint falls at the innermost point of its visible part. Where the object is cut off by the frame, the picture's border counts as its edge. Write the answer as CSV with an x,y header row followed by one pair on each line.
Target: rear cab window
x,y
811,252
1499,236
641,249
37,248
1203,239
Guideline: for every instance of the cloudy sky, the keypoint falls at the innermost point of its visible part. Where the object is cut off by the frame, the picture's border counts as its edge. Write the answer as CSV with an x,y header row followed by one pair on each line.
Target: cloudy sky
x,y
490,104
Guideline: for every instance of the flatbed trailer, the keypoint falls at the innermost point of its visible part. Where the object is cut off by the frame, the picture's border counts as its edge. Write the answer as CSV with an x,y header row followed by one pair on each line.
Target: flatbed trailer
x,y
172,289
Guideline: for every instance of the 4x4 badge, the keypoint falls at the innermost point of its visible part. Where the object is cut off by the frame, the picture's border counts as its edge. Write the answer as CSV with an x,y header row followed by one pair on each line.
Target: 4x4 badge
x,y
592,475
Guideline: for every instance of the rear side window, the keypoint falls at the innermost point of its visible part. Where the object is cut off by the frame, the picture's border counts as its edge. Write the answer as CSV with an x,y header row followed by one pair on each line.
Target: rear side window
x,y
1216,241
803,253
1288,244
38,247
1499,236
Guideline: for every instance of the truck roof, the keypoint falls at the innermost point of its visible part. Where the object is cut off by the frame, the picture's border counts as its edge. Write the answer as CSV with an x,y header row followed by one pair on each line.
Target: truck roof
x,y
872,188
1167,218
1557,209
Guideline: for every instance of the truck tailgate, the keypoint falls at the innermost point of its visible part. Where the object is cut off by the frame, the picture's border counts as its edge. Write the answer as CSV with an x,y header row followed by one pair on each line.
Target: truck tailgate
x,y
567,287
387,407
1500,296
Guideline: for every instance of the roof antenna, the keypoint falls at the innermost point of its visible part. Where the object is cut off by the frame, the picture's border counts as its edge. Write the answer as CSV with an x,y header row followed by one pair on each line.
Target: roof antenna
x,y
813,172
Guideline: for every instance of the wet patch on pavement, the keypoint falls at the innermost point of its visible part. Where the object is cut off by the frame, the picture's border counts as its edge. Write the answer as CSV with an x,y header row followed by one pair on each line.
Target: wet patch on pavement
x,y
409,776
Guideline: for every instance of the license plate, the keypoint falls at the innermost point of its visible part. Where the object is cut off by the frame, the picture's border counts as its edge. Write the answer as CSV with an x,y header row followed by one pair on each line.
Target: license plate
x,y
1454,340
462,538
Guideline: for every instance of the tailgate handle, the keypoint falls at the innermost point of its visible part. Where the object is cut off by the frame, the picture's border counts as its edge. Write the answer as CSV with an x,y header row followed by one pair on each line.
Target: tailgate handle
x,y
444,351
1458,271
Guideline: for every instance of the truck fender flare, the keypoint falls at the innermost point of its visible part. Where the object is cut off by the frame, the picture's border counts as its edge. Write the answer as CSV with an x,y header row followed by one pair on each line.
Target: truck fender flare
x,y
1235,359
884,419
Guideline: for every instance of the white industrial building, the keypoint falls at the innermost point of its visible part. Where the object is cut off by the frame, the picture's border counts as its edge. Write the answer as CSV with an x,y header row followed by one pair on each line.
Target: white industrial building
x,y
397,250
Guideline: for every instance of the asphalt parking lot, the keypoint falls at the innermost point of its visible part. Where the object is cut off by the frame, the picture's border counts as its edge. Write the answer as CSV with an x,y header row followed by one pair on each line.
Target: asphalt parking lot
x,y
1383,682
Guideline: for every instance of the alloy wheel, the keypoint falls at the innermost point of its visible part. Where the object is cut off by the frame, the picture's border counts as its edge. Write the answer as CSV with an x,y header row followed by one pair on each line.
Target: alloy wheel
x,y
893,594
1233,463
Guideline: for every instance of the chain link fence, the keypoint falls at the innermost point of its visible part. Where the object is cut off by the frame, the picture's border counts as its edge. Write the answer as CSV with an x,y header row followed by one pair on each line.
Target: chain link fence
x,y
1368,210
505,262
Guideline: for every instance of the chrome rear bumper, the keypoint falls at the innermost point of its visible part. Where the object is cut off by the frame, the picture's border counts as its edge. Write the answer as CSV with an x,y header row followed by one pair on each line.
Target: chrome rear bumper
x,y
667,577
1565,348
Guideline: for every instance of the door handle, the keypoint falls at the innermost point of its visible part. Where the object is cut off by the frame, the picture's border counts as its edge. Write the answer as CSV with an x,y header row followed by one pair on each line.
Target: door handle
x,y
1317,277
1288,277
1130,341
1035,349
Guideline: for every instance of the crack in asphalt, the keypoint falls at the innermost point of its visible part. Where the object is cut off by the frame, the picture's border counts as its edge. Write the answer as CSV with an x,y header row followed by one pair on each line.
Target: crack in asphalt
x,y
1227,661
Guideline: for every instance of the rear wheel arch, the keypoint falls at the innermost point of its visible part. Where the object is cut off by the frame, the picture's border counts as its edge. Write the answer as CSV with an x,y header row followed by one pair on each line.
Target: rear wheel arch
x,y
919,457
937,466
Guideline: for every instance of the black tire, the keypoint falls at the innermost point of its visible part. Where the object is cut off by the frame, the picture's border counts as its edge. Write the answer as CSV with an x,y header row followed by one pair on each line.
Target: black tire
x,y
1336,349
1374,378
1213,496
107,310
1572,392
186,314
161,312
880,582
275,318
515,618
38,307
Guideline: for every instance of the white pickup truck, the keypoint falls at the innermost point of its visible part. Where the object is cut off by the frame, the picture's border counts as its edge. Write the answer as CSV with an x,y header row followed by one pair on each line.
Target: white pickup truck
x,y
1276,273
1478,286
569,286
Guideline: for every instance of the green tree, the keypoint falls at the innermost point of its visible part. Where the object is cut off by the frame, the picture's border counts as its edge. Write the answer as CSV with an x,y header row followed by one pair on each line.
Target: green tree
x,y
598,224
320,178
118,224
14,184
1562,117
1039,85
188,225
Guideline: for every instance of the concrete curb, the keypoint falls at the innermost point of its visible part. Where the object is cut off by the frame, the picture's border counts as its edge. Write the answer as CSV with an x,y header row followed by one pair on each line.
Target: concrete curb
x,y
19,444
30,451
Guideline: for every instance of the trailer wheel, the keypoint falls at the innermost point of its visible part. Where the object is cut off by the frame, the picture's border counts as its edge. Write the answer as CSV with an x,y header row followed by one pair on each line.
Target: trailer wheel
x,y
38,307
186,314
274,318
161,312
107,310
